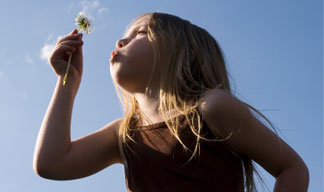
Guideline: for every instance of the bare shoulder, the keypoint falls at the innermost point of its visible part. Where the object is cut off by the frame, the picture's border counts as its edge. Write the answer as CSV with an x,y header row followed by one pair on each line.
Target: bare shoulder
x,y
227,116
111,127
217,106
216,99
108,132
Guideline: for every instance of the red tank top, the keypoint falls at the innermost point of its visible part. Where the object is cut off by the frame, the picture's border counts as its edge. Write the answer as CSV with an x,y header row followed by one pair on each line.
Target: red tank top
x,y
157,162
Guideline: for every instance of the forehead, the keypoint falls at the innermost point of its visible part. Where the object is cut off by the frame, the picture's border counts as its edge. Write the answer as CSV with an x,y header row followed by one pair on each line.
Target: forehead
x,y
137,24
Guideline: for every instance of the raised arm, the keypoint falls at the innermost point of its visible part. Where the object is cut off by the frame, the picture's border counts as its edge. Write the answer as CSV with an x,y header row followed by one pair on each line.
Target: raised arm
x,y
225,114
55,155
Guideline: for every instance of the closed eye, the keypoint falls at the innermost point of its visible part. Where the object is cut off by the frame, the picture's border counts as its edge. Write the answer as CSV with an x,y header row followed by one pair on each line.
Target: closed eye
x,y
141,32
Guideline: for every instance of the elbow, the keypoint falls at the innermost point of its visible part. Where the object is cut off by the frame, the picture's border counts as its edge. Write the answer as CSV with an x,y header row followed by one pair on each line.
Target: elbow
x,y
41,172
41,169
306,173
44,169
299,172
303,171
295,178
300,168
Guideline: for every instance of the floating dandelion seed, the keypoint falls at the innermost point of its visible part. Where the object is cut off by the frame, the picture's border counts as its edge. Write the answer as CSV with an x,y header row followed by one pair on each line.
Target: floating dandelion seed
x,y
83,24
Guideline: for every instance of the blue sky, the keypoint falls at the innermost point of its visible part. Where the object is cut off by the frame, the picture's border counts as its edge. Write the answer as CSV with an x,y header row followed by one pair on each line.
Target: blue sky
x,y
274,52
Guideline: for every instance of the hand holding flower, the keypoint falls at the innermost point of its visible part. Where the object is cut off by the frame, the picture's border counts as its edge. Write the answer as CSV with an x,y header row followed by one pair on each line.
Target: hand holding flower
x,y
83,24
61,56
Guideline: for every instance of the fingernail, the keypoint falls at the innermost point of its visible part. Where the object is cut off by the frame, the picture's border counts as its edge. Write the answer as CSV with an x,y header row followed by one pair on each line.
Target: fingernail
x,y
74,31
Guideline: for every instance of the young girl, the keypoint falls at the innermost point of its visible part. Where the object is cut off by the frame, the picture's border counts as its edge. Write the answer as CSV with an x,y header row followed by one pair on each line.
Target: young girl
x,y
183,129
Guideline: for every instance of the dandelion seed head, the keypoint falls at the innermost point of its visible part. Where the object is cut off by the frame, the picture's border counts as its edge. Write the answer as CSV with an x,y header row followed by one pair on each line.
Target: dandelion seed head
x,y
83,23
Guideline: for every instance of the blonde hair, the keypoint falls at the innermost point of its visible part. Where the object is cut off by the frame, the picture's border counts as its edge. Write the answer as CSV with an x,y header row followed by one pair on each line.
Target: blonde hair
x,y
189,63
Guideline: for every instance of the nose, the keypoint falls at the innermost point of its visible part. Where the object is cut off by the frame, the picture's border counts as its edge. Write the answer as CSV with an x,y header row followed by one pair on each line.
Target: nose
x,y
121,43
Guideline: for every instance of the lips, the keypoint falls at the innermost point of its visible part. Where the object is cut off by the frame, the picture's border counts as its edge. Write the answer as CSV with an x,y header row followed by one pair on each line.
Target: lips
x,y
113,54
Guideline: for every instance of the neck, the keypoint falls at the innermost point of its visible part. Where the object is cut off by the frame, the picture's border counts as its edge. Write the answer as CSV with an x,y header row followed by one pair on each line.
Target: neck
x,y
149,108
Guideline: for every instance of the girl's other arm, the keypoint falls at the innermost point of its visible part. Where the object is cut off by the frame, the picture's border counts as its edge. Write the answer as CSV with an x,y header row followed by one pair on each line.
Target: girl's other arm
x,y
225,114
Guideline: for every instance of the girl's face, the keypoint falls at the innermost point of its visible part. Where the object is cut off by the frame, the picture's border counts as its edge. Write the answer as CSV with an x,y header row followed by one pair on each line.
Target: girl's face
x,y
131,62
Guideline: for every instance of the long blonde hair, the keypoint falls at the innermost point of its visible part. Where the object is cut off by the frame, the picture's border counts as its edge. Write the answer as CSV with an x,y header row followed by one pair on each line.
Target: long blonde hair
x,y
189,63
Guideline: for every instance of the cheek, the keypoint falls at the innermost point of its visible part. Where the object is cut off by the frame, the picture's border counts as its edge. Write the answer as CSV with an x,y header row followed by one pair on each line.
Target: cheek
x,y
140,53
133,67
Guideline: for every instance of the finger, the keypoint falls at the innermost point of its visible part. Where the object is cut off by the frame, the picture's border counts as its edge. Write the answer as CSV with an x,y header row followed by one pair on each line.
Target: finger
x,y
75,31
78,51
72,43
71,37
64,50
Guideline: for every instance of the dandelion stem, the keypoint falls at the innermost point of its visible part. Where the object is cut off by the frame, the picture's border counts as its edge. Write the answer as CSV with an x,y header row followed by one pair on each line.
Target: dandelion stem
x,y
80,27
67,69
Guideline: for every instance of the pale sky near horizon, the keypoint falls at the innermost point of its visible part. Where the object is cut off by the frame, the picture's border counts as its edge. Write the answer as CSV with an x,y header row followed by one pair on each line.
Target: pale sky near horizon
x,y
273,49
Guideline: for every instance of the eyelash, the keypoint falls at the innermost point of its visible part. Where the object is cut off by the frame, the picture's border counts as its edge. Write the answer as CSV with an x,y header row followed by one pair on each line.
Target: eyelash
x,y
140,32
